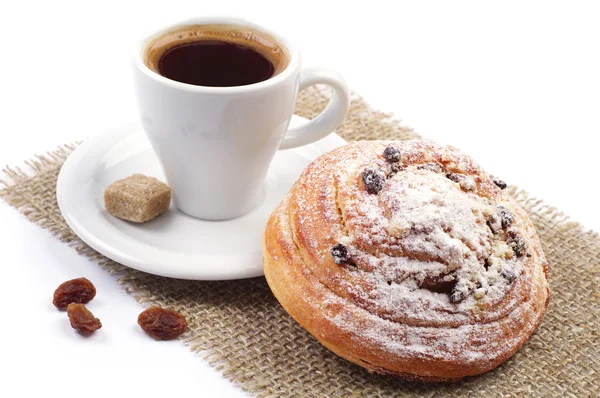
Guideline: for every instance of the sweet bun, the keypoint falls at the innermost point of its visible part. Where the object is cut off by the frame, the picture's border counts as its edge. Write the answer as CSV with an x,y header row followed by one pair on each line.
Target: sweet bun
x,y
406,258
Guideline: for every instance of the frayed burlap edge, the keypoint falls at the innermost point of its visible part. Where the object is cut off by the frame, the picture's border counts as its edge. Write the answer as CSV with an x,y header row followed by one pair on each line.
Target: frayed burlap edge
x,y
241,330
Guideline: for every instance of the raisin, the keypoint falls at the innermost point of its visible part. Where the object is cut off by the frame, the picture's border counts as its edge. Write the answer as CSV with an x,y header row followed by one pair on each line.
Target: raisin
x,y
506,217
487,264
82,319
439,284
456,296
466,182
392,154
162,324
373,180
516,243
79,290
519,248
395,167
433,167
501,184
509,275
453,177
339,253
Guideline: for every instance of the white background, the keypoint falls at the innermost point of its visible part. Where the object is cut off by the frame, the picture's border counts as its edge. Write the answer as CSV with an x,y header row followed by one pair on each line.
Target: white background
x,y
514,84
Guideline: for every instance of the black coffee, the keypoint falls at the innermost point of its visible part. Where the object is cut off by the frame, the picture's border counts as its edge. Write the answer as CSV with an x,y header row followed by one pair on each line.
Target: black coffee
x,y
216,55
215,63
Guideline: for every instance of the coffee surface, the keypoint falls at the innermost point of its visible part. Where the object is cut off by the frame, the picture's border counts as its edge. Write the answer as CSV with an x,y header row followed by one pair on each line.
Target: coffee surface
x,y
216,55
215,63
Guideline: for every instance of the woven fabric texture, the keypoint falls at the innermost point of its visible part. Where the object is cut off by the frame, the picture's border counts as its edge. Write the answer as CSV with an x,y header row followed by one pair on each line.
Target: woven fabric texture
x,y
240,328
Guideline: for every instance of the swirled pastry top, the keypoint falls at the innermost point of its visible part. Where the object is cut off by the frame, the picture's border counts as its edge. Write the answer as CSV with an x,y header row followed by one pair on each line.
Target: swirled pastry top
x,y
415,234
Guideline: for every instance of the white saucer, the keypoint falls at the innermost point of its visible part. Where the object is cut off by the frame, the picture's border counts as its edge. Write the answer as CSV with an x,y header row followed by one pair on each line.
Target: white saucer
x,y
173,244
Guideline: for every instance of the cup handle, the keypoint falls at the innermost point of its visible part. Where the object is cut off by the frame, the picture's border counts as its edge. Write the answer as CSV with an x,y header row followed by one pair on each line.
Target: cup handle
x,y
326,121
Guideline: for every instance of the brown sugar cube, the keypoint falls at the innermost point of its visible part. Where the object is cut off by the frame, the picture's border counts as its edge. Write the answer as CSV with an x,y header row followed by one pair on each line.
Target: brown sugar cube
x,y
137,198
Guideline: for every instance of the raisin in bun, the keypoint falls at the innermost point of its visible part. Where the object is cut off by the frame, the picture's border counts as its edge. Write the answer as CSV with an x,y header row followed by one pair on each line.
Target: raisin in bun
x,y
406,258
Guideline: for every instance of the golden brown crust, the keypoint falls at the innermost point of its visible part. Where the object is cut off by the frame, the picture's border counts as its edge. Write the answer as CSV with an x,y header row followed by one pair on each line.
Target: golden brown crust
x,y
444,275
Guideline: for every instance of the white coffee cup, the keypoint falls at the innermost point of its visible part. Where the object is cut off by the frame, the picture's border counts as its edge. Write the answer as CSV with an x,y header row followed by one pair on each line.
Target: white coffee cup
x,y
215,144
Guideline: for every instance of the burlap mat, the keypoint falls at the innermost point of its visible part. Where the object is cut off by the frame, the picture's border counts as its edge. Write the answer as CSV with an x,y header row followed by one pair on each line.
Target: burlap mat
x,y
239,327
